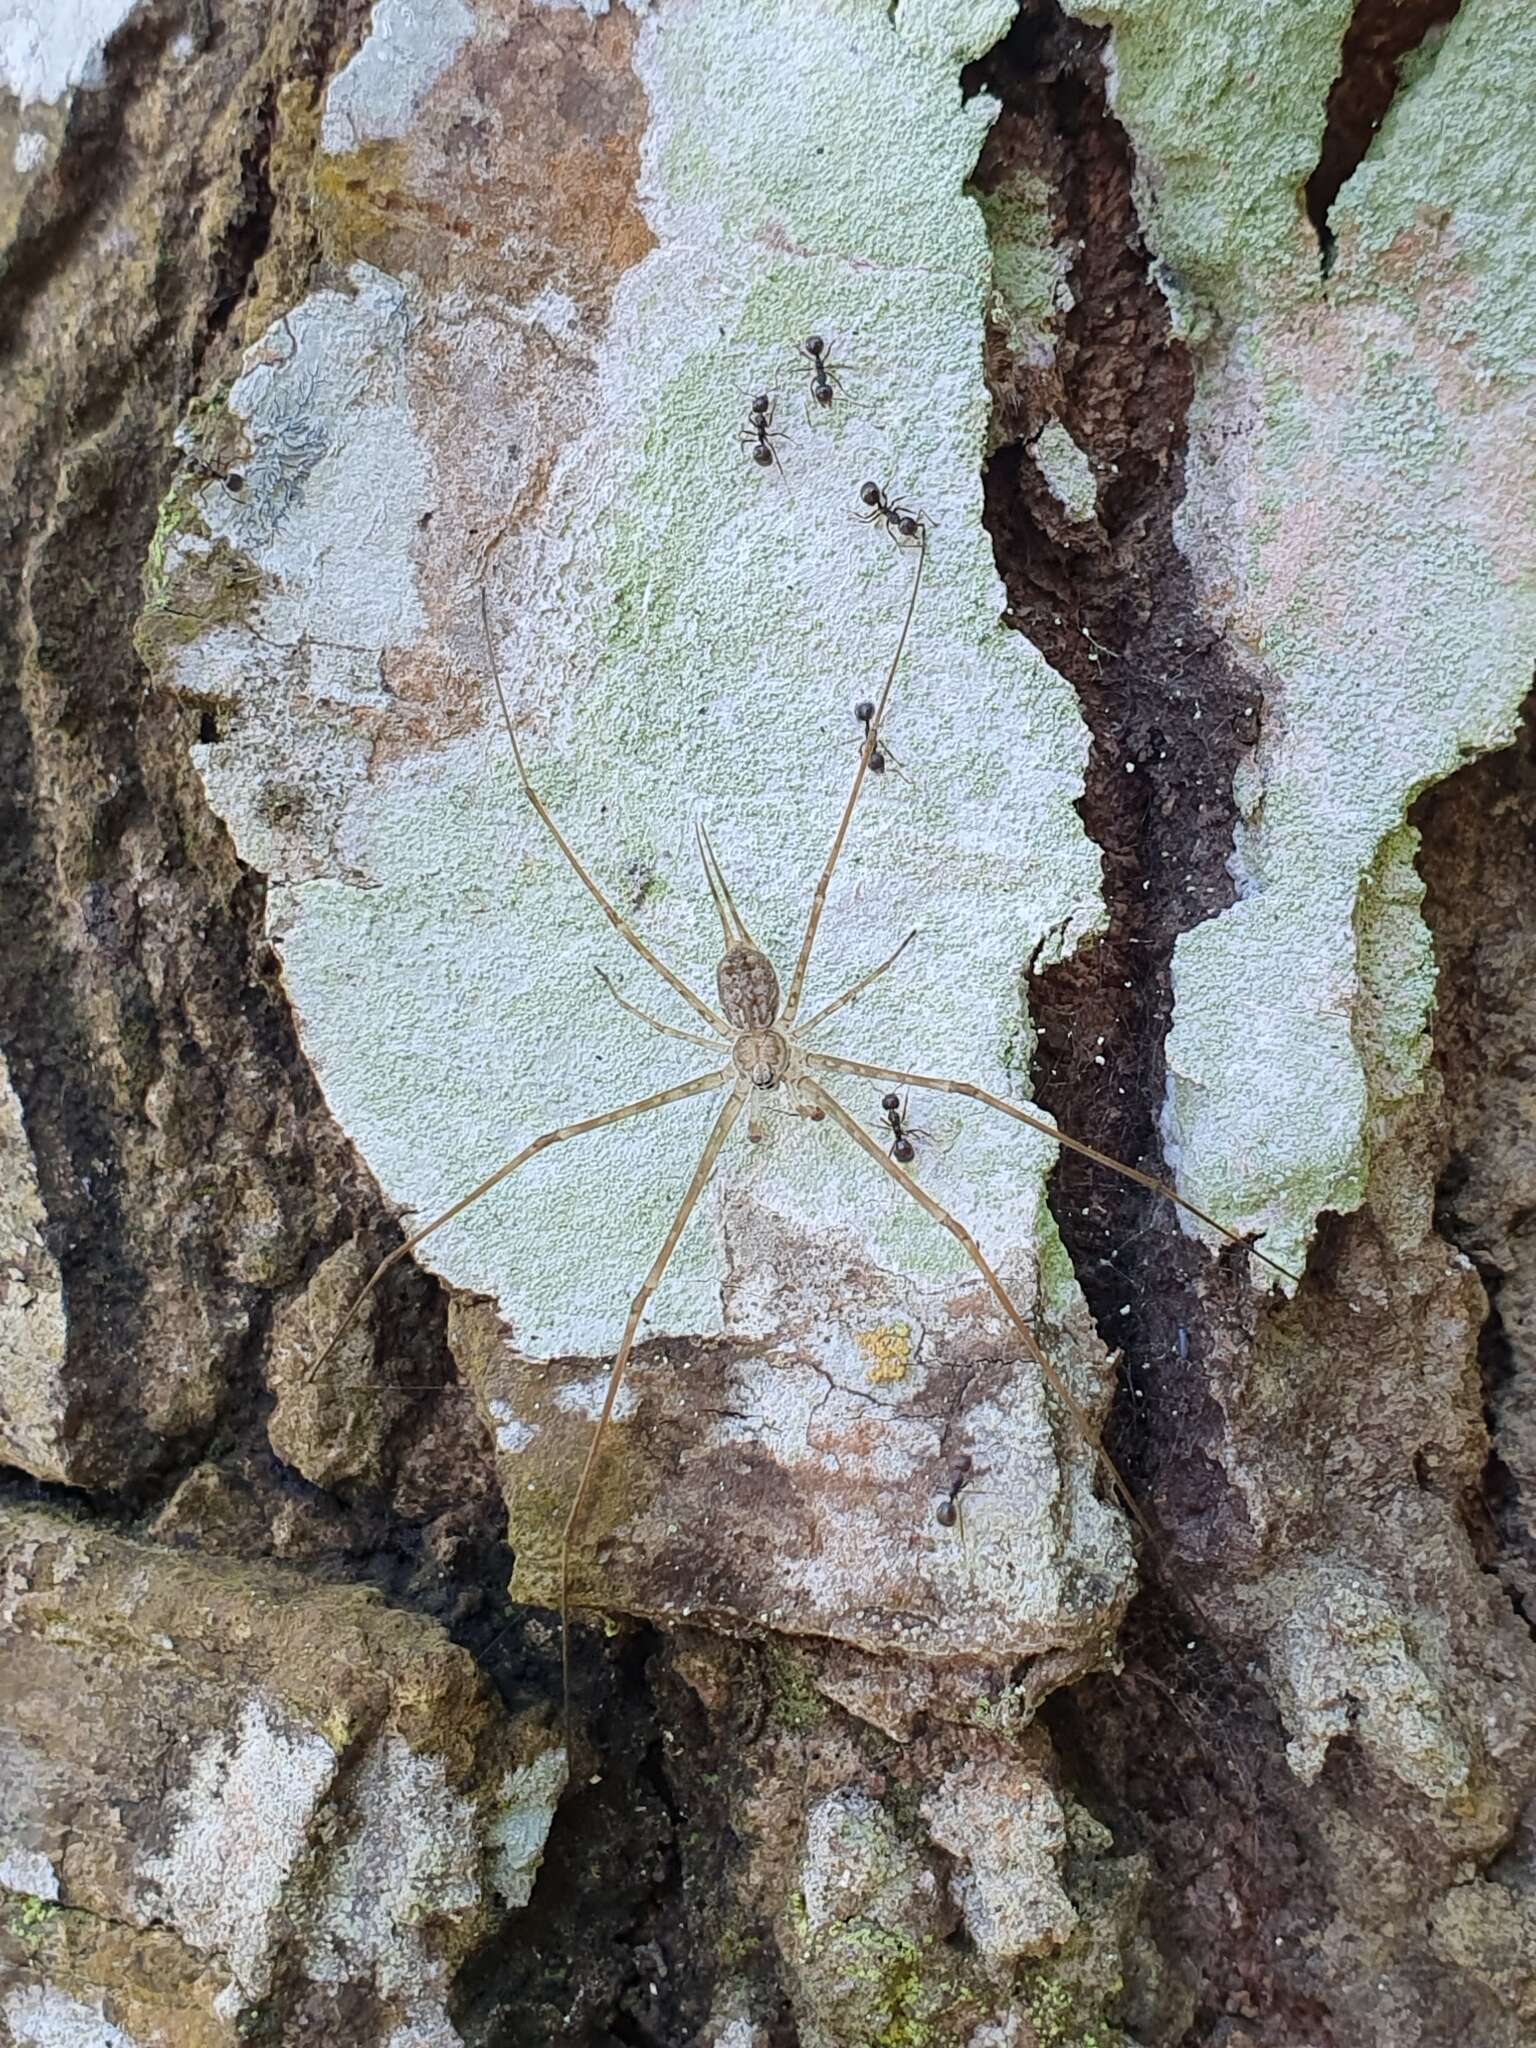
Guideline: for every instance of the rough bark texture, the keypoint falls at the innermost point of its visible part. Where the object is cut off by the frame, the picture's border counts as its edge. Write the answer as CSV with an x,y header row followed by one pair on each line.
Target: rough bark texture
x,y
281,1755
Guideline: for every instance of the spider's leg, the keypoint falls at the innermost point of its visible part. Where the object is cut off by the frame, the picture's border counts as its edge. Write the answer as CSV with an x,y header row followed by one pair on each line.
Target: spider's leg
x,y
732,923
857,989
698,1086
1040,1123
824,882
620,923
963,1237
667,1030
719,1131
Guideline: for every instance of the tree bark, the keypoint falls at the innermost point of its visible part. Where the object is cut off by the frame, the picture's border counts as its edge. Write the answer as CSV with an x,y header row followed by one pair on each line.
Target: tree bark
x,y
359,357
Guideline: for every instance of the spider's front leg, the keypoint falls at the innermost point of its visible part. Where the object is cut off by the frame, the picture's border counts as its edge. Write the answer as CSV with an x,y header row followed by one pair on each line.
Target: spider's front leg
x,y
680,1093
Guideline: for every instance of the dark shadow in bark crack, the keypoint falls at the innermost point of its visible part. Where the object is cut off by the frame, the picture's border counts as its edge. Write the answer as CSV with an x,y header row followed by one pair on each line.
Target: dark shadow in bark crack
x,y
1181,1750
1381,34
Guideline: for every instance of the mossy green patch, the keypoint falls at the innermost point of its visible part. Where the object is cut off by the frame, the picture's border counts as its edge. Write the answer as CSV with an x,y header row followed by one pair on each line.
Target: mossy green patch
x,y
794,1699
1057,2017
28,1917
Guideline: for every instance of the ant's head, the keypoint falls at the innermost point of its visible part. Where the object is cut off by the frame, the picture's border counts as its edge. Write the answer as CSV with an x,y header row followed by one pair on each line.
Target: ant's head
x,y
909,528
864,710
761,403
891,1101
870,493
814,345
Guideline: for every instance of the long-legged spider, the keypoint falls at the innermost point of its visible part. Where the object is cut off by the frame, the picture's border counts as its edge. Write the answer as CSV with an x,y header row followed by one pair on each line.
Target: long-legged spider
x,y
769,1056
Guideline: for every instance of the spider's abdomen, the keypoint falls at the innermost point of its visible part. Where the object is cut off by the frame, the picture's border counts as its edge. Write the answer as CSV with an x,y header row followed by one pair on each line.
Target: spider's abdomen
x,y
749,988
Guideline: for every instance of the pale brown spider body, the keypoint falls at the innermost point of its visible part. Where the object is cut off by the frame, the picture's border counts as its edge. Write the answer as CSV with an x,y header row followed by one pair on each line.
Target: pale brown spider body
x,y
749,988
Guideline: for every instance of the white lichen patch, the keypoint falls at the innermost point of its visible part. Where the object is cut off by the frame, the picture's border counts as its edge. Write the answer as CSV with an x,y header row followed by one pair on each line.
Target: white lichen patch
x,y
1346,1668
684,635
515,1838
32,1333
1360,517
238,1827
1067,470
25,1870
43,2016
413,1854
1004,1826
47,47
857,1864
31,148
408,47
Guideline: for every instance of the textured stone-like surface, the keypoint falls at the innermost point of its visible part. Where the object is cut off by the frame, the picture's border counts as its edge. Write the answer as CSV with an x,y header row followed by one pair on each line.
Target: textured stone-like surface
x,y
31,1311
301,1793
1329,1761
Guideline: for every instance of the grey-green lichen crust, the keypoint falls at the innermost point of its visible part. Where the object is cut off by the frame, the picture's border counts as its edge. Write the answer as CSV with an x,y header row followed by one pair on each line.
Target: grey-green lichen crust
x,y
1359,514
684,635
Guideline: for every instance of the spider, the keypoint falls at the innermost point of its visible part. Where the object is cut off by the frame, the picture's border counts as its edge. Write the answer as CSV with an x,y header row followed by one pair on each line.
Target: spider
x,y
768,1059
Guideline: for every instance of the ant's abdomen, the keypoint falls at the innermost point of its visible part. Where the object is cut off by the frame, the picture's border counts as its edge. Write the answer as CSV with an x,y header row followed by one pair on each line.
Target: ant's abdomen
x,y
749,988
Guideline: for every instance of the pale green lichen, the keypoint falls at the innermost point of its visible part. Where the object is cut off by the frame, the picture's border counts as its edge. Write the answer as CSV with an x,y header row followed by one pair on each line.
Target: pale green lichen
x,y
1058,2018
1359,515
1066,470
1225,103
1030,266
864,1936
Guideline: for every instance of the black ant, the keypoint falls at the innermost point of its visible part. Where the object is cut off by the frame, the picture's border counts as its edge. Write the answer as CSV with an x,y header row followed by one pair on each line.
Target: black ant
x,y
903,1151
945,1512
231,479
880,759
901,522
758,435
824,378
